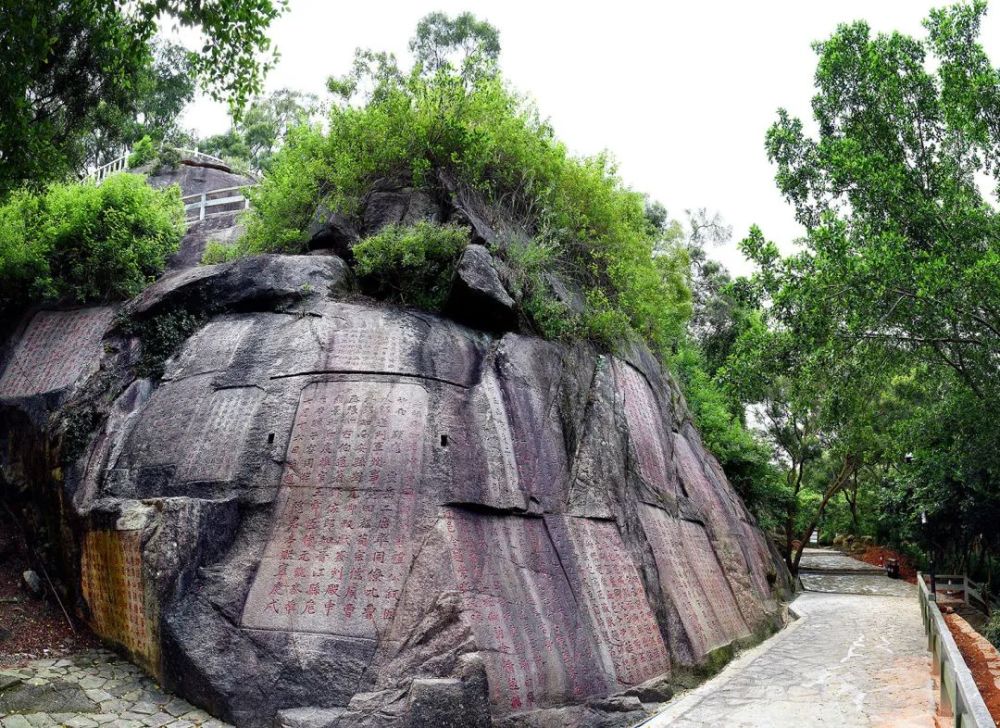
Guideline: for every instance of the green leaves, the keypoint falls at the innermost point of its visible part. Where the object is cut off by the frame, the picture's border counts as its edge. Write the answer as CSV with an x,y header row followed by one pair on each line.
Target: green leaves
x,y
413,126
79,243
412,264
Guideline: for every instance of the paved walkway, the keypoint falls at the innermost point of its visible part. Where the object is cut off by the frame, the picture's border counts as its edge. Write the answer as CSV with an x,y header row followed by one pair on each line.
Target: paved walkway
x,y
851,659
88,690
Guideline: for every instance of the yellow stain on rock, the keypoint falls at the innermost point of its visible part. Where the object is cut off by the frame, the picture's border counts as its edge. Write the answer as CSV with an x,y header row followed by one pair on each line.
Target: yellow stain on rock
x,y
113,588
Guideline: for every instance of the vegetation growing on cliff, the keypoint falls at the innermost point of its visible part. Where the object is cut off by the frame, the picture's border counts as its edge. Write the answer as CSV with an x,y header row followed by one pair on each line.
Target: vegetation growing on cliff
x,y
463,118
80,243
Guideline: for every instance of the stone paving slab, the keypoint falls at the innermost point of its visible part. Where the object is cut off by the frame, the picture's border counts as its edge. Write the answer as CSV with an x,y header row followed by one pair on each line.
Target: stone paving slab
x,y
850,660
830,560
880,585
90,690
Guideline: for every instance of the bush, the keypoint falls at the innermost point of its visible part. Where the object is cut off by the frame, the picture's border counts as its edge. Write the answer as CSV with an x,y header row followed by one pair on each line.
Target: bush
x,y
82,243
411,264
991,630
216,252
593,226
143,152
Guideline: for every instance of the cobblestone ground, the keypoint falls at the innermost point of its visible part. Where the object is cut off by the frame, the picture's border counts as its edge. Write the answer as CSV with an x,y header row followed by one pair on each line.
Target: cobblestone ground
x,y
851,659
91,689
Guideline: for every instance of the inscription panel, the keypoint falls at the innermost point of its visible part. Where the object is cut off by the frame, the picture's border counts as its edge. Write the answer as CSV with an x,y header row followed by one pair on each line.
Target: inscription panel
x,y
493,432
347,517
335,563
216,437
211,349
53,351
517,602
691,576
613,597
645,426
714,505
111,568
357,435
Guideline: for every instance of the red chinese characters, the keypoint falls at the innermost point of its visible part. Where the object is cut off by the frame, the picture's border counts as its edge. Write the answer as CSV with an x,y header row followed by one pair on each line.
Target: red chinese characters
x,y
54,350
645,426
344,535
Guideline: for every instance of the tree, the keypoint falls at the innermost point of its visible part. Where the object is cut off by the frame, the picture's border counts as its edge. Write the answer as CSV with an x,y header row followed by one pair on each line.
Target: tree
x,y
463,44
70,67
901,241
161,92
257,135
893,300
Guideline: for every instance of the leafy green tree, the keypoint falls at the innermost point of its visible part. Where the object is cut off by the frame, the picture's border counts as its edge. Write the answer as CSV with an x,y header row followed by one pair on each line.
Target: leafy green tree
x,y
901,241
463,44
73,70
892,302
261,130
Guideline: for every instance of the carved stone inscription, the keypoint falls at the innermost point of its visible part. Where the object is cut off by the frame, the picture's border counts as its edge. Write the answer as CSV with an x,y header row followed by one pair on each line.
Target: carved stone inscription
x,y
517,601
347,522
370,349
645,426
211,349
691,576
216,437
200,430
714,505
607,583
111,568
493,431
57,346
357,435
335,563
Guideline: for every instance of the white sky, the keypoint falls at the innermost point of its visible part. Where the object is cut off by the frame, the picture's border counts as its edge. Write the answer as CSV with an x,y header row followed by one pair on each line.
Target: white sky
x,y
680,92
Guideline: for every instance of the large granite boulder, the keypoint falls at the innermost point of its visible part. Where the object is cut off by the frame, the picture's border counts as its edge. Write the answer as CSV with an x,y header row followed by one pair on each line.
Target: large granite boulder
x,y
333,512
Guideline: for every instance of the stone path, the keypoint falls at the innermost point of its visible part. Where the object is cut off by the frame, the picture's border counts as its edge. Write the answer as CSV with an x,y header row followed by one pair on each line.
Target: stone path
x,y
91,689
851,659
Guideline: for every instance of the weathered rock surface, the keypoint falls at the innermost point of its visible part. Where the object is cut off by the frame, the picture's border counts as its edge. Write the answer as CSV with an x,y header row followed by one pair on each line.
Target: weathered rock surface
x,y
331,512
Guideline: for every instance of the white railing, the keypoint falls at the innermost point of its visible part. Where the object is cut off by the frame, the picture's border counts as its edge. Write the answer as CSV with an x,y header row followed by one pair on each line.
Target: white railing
x,y
189,153
112,167
959,697
198,205
121,163
971,593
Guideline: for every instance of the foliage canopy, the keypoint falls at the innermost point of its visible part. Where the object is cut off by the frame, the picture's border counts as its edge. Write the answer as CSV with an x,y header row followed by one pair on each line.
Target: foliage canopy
x,y
466,121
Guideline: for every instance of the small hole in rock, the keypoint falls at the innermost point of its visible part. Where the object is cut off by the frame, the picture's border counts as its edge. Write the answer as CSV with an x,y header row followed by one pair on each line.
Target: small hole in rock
x,y
270,438
444,441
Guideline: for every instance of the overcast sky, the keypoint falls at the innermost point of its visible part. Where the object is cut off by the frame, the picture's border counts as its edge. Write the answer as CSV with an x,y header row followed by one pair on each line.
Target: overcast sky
x,y
680,92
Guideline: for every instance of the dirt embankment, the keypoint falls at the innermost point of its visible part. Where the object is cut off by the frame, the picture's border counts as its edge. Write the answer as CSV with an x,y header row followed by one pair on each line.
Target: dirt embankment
x,y
982,658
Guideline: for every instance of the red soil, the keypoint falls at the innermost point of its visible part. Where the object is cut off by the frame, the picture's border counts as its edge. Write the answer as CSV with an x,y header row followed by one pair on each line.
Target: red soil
x,y
30,627
975,656
879,555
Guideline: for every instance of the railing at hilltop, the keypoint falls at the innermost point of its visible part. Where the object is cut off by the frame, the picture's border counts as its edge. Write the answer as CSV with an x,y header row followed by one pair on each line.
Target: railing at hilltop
x,y
121,163
959,586
959,696
200,204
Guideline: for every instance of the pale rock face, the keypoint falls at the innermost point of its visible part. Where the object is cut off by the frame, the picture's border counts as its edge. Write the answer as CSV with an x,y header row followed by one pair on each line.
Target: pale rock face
x,y
350,514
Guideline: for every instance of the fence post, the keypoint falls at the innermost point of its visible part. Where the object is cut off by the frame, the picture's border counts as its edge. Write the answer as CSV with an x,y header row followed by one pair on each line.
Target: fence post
x,y
204,199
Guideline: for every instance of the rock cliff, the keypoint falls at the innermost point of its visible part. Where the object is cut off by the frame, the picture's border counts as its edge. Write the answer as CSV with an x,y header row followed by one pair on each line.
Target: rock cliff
x,y
322,510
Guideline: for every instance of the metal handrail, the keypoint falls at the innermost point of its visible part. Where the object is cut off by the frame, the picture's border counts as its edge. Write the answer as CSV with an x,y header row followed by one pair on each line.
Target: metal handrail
x,y
959,696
